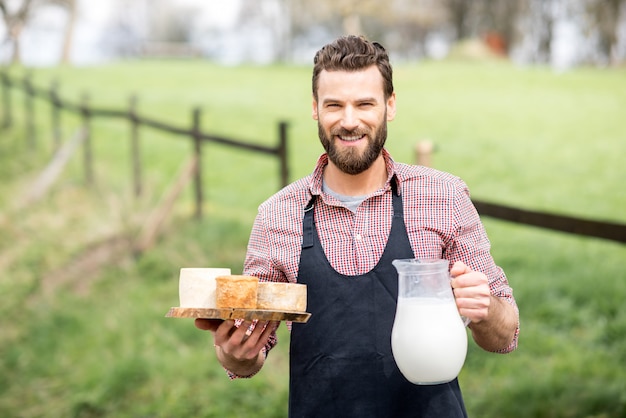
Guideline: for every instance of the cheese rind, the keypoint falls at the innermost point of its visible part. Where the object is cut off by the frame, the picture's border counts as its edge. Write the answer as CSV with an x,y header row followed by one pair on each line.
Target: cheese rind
x,y
236,292
289,297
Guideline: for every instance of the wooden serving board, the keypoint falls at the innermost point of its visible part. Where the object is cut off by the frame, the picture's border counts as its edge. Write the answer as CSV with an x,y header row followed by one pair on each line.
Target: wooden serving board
x,y
232,313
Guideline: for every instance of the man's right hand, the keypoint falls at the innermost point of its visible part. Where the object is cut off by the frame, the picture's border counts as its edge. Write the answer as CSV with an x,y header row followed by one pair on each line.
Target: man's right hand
x,y
240,349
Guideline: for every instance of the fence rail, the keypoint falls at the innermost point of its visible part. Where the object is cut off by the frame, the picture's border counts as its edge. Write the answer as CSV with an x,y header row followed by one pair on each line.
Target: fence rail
x,y
87,112
586,227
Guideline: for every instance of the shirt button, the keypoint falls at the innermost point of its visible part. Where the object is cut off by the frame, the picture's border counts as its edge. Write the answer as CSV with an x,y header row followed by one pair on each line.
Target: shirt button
x,y
358,237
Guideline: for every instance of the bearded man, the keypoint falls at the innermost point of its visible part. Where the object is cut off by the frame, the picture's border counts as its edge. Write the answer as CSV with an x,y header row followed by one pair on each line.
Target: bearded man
x,y
338,231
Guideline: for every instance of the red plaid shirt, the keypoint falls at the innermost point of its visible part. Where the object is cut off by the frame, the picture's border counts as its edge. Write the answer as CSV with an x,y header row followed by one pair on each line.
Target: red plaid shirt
x,y
440,220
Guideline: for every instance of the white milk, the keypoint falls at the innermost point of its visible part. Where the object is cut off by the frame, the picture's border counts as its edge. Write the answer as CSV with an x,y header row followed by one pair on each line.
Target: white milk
x,y
429,341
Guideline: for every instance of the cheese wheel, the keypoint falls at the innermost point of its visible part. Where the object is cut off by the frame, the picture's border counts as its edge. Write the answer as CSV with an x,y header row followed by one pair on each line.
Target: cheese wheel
x,y
196,286
290,297
236,292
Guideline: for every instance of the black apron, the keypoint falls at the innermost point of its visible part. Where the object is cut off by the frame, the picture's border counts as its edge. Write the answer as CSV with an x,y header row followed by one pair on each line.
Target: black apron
x,y
341,364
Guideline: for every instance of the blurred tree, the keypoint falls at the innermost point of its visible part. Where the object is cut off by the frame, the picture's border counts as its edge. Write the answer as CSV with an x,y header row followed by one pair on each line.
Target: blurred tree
x,y
152,28
534,25
170,22
68,37
407,27
401,25
293,18
127,27
274,17
495,19
498,18
348,13
528,28
415,21
459,11
16,15
604,17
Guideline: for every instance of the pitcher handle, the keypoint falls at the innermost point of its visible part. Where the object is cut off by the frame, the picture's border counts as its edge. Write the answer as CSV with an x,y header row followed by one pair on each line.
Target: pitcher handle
x,y
466,320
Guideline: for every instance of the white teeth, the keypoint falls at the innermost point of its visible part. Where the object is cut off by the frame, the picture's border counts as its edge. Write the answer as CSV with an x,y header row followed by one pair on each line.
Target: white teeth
x,y
350,138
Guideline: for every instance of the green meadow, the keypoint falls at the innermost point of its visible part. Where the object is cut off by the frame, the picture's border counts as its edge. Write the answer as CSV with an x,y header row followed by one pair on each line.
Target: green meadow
x,y
91,340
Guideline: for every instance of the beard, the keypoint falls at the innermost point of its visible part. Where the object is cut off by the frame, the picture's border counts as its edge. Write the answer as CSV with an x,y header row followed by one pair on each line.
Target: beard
x,y
351,160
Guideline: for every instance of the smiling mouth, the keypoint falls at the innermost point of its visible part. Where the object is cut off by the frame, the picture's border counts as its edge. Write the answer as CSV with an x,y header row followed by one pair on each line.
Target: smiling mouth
x,y
350,138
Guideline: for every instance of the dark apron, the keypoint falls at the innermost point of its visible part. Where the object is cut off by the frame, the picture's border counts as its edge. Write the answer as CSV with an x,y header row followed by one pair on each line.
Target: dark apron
x,y
341,364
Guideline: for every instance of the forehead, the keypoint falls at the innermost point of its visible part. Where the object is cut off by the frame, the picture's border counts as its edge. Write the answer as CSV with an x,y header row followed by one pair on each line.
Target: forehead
x,y
346,84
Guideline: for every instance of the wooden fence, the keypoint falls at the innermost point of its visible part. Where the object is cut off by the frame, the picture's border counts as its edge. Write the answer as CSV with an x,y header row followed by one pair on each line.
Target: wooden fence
x,y
88,112
585,227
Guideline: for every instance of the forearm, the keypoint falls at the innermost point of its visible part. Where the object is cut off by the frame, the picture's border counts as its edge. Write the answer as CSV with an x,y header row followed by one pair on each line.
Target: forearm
x,y
497,331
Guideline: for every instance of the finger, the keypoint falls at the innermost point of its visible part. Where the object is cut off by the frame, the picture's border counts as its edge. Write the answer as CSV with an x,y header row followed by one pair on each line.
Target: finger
x,y
264,329
225,330
235,332
470,290
253,327
253,333
243,340
474,301
475,280
261,335
246,328
270,328
229,336
475,315
459,268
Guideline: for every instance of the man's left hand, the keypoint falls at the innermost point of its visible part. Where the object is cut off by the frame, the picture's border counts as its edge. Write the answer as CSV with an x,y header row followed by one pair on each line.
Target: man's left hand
x,y
471,292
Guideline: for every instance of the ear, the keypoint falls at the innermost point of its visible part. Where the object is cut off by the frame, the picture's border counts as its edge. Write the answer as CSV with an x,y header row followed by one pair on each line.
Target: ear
x,y
314,110
391,107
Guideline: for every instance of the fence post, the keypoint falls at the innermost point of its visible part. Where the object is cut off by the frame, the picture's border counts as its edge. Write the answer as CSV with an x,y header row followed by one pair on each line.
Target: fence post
x,y
30,110
56,123
423,152
87,154
6,99
135,153
198,153
282,153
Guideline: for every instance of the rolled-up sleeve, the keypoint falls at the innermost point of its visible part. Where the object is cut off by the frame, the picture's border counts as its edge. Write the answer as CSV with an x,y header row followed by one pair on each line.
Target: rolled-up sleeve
x,y
471,245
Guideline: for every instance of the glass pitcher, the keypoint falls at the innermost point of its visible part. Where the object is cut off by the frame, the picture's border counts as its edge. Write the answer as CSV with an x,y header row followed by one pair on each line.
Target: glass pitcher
x,y
428,339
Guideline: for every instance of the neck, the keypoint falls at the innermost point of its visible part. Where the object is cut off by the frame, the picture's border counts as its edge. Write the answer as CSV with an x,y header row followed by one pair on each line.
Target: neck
x,y
360,184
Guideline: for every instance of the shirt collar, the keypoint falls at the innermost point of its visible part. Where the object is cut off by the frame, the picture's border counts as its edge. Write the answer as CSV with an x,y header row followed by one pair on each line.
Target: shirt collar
x,y
317,176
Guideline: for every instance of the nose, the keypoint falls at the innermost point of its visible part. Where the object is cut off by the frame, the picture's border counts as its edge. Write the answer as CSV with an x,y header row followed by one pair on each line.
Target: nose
x,y
349,120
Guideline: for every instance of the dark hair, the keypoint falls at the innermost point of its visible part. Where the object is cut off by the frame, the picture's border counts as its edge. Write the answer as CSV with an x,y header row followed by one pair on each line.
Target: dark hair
x,y
353,53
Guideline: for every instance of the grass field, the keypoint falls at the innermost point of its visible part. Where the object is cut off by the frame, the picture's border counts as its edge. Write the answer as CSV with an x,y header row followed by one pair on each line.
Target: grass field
x,y
98,345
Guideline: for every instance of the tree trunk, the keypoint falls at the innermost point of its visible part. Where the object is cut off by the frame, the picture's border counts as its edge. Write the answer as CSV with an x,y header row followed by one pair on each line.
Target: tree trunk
x,y
69,33
352,24
16,56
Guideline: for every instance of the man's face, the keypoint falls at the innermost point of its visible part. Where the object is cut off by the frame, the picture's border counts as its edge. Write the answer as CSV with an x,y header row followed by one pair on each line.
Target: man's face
x,y
352,114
